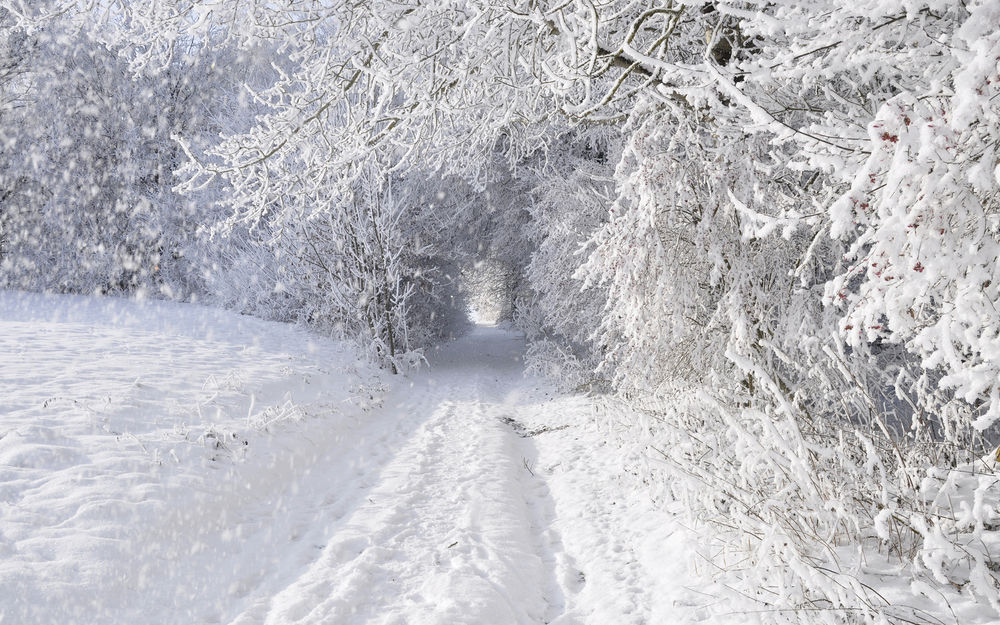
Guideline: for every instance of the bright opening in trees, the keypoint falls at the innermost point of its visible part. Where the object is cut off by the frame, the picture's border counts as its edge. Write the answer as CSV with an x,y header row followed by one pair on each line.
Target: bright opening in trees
x,y
491,287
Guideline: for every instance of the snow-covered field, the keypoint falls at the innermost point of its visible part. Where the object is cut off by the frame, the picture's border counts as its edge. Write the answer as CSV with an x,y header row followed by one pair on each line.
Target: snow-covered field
x,y
167,463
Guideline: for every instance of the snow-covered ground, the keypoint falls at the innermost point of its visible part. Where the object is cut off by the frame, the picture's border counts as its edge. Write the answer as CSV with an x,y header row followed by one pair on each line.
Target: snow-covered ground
x,y
166,463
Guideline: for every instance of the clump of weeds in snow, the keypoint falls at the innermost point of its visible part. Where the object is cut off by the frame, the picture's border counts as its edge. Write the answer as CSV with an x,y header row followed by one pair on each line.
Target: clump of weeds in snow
x,y
234,380
219,444
368,395
272,415
224,445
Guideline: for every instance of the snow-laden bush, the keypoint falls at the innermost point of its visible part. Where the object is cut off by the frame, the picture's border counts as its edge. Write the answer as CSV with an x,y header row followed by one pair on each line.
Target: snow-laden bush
x,y
551,359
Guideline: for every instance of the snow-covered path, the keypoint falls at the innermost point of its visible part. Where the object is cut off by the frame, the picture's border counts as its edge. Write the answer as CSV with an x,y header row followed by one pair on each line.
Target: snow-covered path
x,y
472,495
446,530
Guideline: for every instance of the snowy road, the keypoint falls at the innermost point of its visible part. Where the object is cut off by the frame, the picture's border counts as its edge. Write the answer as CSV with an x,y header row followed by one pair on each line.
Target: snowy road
x,y
473,495
446,529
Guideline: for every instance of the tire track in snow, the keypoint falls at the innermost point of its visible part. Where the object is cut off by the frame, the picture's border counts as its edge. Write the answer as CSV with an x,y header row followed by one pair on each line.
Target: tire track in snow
x,y
447,536
297,528
565,579
618,556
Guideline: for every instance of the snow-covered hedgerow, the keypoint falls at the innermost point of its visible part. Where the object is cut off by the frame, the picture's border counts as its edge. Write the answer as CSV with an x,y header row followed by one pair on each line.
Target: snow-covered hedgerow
x,y
802,303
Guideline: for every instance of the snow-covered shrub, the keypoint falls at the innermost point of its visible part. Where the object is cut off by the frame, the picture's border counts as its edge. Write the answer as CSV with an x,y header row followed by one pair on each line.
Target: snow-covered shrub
x,y
553,360
246,276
